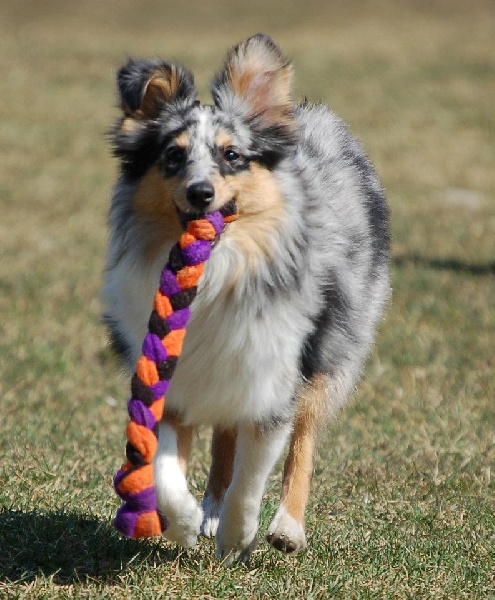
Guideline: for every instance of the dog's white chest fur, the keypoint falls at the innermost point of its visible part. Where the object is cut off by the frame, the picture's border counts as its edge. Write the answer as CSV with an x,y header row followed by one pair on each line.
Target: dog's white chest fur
x,y
240,362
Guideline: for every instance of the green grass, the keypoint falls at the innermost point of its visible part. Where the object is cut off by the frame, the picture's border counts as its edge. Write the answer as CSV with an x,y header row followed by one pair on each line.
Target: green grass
x,y
403,494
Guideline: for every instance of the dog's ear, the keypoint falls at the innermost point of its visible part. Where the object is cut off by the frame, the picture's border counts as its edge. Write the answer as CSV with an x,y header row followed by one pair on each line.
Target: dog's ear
x,y
145,86
256,83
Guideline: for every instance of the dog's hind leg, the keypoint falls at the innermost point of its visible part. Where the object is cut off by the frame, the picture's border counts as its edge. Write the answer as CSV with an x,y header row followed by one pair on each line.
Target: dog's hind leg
x,y
221,470
175,502
287,531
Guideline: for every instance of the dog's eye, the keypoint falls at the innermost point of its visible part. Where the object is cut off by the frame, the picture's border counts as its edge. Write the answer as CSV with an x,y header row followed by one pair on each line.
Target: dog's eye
x,y
174,155
231,155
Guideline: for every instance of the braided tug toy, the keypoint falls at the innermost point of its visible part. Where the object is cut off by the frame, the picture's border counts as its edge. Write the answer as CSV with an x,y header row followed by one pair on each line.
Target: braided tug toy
x,y
134,483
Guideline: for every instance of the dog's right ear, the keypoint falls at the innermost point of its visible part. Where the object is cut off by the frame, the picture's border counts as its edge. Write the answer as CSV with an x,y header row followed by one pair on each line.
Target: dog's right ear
x,y
145,86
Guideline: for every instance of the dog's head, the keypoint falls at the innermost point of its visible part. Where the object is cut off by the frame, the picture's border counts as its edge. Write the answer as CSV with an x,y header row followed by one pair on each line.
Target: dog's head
x,y
202,156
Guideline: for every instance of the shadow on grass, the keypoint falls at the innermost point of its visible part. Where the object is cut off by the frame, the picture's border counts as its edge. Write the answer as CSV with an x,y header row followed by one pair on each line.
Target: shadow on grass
x,y
445,264
69,547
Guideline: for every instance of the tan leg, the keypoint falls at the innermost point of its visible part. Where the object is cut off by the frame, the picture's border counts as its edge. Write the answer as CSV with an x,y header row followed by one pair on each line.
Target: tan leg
x,y
174,500
222,462
287,532
222,466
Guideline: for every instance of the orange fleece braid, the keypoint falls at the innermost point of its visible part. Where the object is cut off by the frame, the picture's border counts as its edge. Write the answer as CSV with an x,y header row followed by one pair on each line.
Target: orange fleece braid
x,y
134,483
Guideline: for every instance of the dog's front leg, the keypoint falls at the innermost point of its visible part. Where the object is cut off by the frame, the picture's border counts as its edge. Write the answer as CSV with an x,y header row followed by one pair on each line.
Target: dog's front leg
x,y
175,502
256,453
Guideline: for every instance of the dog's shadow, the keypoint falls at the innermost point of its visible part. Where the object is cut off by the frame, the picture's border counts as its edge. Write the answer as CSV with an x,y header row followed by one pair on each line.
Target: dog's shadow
x,y
69,547
454,265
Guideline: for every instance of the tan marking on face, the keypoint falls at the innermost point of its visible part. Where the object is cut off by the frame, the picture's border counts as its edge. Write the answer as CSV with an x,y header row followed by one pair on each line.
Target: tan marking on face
x,y
182,140
224,191
153,202
223,140
155,194
261,213
298,468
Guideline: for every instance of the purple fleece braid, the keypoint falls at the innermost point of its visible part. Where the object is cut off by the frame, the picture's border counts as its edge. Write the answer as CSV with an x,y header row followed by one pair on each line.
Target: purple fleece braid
x,y
134,483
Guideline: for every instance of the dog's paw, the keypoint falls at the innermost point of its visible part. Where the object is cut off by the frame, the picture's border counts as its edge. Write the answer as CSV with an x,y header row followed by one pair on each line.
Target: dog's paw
x,y
184,519
285,533
211,516
232,551
236,535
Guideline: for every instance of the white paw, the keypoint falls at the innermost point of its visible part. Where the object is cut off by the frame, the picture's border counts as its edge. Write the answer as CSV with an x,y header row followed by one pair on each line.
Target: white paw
x,y
211,516
230,554
285,533
237,534
184,519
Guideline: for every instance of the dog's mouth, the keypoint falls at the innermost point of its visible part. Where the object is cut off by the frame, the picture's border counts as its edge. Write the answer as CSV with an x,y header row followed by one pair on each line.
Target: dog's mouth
x,y
227,209
199,197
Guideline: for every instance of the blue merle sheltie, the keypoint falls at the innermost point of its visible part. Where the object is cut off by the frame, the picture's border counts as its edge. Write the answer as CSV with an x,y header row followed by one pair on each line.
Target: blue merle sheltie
x,y
287,306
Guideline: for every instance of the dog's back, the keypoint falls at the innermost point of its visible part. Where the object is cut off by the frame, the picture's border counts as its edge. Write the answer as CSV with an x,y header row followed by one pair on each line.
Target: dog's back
x,y
286,310
347,218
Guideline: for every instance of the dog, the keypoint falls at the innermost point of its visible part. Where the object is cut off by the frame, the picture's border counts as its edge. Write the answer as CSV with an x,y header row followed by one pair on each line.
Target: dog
x,y
287,307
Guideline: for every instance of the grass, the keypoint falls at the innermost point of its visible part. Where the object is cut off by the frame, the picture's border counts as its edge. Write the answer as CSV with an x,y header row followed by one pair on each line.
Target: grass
x,y
403,493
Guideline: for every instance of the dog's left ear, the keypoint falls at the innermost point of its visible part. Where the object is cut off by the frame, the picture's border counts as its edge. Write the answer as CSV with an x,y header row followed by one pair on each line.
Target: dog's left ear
x,y
256,84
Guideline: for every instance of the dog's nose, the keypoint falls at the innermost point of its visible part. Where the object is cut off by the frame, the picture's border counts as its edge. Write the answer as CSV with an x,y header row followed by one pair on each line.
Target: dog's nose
x,y
200,194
